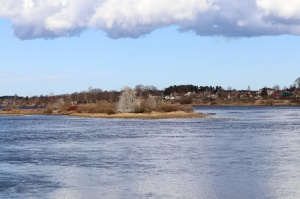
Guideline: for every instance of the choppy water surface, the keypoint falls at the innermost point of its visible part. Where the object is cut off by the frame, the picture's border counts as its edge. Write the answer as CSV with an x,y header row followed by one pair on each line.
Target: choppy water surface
x,y
243,152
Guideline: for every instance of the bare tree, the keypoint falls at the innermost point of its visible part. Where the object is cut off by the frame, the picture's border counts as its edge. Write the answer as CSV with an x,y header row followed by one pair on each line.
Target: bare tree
x,y
276,87
297,82
126,102
151,102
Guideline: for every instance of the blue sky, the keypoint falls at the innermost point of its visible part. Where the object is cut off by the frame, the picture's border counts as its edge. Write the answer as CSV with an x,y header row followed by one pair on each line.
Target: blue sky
x,y
163,56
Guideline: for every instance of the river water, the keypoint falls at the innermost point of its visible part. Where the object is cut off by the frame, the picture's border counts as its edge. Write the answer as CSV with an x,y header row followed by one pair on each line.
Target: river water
x,y
241,152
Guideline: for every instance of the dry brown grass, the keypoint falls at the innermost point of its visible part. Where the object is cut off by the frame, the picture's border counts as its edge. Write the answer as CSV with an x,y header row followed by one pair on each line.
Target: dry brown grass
x,y
152,115
168,107
48,109
271,102
107,110
22,112
100,107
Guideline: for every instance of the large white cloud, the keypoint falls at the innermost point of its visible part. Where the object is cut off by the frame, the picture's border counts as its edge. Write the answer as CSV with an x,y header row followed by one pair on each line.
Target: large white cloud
x,y
133,18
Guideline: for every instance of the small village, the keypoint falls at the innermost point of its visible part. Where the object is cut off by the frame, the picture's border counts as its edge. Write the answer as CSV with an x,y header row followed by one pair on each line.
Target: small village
x,y
181,94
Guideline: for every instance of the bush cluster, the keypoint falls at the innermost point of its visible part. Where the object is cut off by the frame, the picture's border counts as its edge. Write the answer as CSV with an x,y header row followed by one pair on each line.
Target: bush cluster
x,y
48,109
100,107
186,100
166,107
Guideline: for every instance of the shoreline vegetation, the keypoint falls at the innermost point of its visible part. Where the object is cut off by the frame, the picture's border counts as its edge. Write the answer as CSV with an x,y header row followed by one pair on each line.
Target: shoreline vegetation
x,y
146,102
153,115
107,110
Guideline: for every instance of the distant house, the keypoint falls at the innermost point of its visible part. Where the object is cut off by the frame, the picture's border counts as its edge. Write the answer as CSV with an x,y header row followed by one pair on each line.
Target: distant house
x,y
269,91
286,94
173,96
213,96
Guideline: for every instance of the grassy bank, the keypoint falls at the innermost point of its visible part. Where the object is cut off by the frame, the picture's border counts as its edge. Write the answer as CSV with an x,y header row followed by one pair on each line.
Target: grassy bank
x,y
152,115
108,110
22,112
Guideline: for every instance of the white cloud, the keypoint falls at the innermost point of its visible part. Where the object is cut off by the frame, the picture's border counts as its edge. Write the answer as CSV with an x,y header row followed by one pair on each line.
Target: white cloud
x,y
136,17
133,18
288,9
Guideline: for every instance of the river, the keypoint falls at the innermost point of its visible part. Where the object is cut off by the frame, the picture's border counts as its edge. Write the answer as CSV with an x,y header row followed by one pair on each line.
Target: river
x,y
240,152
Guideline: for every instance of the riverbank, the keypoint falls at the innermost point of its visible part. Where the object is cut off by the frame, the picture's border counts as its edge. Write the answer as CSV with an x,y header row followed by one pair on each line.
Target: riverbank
x,y
20,112
268,102
152,115
107,110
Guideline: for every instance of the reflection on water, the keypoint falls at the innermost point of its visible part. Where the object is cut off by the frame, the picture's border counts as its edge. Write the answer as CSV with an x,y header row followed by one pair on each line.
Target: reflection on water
x,y
243,152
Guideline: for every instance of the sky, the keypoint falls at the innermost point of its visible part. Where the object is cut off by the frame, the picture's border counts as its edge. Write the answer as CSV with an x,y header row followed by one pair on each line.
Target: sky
x,y
64,46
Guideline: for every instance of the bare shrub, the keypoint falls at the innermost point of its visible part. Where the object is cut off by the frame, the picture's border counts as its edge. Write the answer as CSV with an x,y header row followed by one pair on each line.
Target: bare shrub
x,y
188,109
48,109
141,106
186,100
109,111
100,107
151,102
167,108
62,107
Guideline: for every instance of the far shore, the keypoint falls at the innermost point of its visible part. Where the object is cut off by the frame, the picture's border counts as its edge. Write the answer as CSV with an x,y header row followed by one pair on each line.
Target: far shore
x,y
268,102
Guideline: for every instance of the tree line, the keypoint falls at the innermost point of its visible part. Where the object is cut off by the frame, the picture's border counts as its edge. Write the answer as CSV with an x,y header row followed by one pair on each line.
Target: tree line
x,y
180,89
94,95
